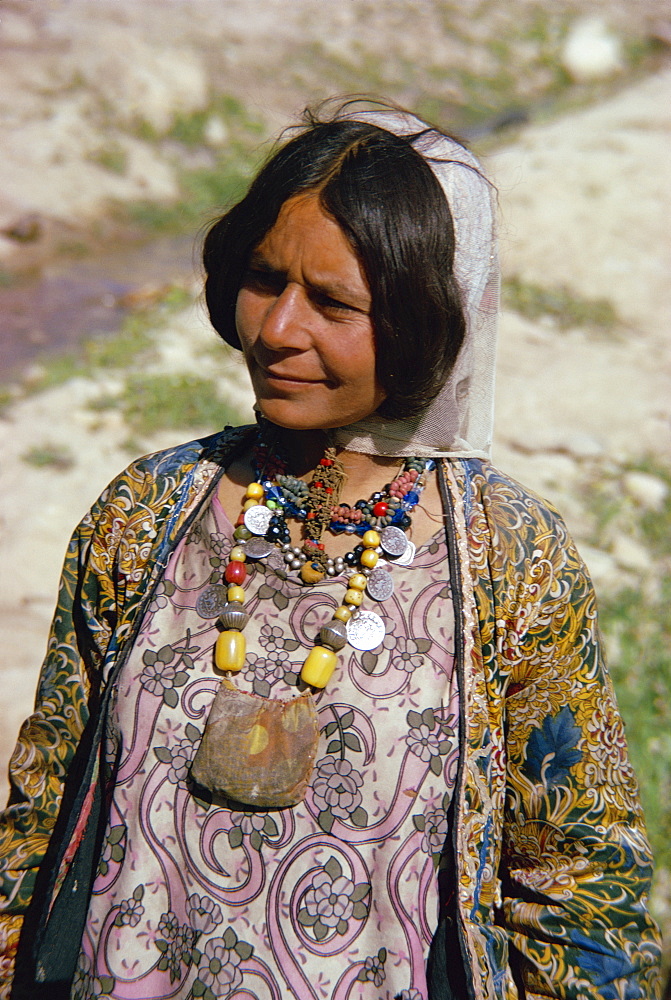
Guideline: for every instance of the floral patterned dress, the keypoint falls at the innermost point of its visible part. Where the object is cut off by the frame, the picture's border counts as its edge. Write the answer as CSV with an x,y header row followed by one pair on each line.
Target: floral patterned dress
x,y
334,898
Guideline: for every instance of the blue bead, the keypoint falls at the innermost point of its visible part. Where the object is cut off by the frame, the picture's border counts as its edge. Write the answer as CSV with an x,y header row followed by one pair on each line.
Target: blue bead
x,y
398,516
350,529
429,465
411,498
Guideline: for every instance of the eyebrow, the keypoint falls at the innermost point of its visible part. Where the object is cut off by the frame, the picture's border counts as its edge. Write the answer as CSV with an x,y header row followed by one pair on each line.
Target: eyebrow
x,y
332,290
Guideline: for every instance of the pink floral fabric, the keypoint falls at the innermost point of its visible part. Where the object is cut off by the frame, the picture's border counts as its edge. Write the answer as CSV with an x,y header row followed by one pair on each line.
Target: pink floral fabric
x,y
334,898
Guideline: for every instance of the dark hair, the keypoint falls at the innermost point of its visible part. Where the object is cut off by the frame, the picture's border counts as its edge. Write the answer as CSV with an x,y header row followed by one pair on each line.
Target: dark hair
x,y
392,209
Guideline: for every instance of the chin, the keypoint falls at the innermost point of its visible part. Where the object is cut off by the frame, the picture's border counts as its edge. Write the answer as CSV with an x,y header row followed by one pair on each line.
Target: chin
x,y
281,414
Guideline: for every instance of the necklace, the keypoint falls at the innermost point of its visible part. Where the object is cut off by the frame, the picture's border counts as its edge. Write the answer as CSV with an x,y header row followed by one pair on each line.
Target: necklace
x,y
262,527
260,751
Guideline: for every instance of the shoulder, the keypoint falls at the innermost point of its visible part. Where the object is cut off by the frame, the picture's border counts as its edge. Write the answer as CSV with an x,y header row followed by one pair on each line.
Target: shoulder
x,y
517,537
509,508
159,474
180,459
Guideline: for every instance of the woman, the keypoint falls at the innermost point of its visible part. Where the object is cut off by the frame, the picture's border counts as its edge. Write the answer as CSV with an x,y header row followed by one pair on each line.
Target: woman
x,y
324,698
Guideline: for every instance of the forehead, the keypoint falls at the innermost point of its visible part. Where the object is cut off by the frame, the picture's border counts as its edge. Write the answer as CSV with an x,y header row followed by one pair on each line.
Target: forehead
x,y
306,240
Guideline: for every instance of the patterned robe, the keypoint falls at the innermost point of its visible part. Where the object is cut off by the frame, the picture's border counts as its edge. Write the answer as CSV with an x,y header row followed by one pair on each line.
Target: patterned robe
x,y
547,870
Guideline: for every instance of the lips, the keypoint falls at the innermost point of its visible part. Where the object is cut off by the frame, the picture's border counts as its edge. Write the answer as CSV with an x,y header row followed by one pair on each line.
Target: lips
x,y
289,377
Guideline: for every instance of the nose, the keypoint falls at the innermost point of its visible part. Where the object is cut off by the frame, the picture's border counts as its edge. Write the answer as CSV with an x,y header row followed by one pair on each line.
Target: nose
x,y
285,324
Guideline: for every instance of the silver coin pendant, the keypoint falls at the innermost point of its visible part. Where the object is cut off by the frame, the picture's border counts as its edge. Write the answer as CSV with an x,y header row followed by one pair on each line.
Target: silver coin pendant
x,y
212,600
393,541
365,631
380,585
258,547
408,555
257,519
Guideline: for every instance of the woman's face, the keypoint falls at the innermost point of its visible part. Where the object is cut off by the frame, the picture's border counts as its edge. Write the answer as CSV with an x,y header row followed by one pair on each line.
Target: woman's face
x,y
303,318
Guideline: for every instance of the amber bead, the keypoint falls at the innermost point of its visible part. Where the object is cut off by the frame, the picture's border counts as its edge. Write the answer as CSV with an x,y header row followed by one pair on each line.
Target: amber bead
x,y
250,503
230,651
342,613
236,594
319,666
236,572
254,491
371,539
353,597
369,558
358,581
238,554
311,572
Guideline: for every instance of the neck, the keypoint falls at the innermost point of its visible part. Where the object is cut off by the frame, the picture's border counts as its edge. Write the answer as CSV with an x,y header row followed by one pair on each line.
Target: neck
x,y
304,449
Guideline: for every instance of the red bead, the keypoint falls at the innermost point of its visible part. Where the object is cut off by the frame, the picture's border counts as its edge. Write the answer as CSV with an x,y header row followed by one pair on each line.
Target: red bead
x,y
326,461
380,508
235,573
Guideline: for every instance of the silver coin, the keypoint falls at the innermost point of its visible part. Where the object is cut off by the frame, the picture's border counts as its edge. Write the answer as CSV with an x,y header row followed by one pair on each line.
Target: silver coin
x,y
408,555
393,541
212,601
257,519
258,547
380,585
365,631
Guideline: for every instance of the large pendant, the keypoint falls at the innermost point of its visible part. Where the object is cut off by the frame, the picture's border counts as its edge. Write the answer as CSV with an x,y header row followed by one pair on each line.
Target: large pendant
x,y
365,630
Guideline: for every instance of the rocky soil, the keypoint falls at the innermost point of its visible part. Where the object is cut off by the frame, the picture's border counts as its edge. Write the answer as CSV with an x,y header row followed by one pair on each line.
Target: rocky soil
x,y
585,198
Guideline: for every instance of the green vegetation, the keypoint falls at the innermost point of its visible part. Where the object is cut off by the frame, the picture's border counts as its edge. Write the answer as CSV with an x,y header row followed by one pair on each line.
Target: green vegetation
x,y
204,189
191,129
637,627
638,634
156,402
564,306
6,397
49,456
112,157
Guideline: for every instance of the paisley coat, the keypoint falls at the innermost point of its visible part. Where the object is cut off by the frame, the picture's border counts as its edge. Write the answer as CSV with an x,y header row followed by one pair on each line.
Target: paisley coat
x,y
548,864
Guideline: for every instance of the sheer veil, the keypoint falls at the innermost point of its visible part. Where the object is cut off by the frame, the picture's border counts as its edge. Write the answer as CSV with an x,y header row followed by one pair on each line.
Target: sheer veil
x,y
459,421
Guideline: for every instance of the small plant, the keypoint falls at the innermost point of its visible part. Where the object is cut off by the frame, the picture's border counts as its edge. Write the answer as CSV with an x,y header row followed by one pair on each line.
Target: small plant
x,y
204,191
49,456
564,306
6,398
159,402
112,157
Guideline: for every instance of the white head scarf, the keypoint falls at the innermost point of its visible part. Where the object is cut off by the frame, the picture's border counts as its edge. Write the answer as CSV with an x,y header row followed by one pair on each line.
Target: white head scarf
x,y
459,421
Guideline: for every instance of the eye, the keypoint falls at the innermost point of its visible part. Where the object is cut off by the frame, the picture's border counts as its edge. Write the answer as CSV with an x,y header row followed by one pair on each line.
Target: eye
x,y
265,282
328,304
